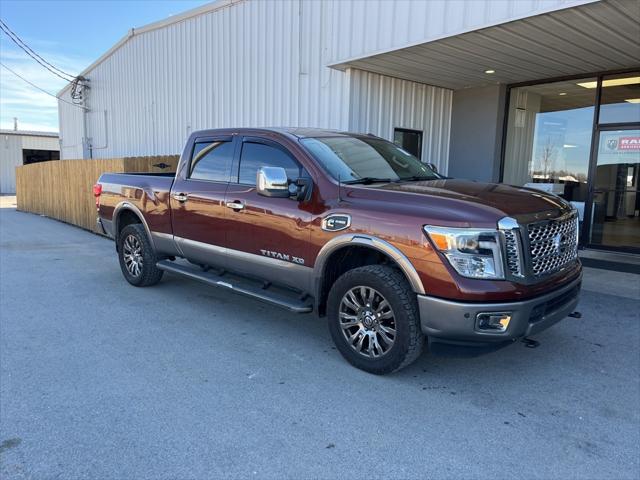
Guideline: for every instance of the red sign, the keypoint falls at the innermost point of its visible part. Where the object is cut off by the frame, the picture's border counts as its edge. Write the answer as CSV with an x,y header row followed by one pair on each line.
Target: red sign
x,y
629,143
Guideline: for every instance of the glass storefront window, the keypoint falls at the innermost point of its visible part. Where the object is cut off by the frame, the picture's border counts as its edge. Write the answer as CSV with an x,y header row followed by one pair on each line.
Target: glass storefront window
x,y
548,145
615,216
620,98
548,141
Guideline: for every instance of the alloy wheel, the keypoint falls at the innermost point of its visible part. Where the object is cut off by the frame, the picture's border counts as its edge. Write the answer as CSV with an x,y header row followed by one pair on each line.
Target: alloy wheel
x,y
367,321
132,254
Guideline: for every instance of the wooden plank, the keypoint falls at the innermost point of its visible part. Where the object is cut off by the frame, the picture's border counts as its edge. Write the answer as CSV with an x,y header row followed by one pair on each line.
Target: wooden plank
x,y
62,189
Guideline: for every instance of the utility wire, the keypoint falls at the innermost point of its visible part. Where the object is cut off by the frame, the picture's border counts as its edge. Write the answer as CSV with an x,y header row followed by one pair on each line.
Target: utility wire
x,y
42,89
20,43
77,85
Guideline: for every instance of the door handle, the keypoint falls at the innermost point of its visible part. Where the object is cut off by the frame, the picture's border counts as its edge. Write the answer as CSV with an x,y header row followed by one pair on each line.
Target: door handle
x,y
181,197
235,205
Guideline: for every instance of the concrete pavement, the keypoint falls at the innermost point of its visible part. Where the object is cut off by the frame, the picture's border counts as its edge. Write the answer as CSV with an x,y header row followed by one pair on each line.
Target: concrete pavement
x,y
99,379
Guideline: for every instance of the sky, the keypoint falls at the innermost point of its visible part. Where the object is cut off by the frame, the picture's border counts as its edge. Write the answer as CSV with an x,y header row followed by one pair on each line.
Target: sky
x,y
69,34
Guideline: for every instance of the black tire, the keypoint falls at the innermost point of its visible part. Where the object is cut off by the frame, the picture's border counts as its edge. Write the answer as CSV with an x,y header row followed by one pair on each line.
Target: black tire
x,y
390,285
147,274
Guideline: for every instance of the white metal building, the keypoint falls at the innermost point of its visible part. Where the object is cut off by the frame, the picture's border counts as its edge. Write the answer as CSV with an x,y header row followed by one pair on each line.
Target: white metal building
x,y
22,147
464,80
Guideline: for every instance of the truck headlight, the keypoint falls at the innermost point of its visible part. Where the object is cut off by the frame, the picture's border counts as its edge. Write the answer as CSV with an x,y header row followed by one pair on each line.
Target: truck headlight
x,y
473,253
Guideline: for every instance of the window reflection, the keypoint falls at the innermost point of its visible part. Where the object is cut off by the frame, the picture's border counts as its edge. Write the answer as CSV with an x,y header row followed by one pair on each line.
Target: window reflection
x,y
548,141
620,99
548,146
615,219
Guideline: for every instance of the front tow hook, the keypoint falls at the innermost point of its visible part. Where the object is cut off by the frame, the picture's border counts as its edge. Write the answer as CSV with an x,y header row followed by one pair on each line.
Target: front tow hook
x,y
530,342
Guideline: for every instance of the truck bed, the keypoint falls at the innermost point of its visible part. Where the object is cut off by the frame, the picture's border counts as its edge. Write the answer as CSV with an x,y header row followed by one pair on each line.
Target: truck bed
x,y
148,192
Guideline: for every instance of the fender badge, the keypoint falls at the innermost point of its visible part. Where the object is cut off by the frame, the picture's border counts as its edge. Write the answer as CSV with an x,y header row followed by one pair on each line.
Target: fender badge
x,y
336,222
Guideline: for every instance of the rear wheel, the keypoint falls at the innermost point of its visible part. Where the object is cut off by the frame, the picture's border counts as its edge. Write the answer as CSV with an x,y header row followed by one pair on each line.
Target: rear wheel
x,y
137,258
373,319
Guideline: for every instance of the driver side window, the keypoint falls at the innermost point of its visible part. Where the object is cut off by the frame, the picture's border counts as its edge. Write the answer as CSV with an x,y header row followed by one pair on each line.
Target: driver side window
x,y
256,155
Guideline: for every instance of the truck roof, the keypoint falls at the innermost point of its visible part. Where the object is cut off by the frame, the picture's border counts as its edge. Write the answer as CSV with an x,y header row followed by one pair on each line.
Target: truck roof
x,y
305,132
298,132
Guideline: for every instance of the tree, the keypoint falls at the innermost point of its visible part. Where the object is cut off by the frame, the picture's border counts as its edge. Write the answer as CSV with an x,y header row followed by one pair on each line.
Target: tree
x,y
547,157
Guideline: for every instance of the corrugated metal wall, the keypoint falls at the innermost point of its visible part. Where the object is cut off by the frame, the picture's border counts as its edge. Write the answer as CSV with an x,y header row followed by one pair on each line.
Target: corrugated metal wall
x,y
379,104
70,121
238,66
10,158
11,146
264,63
40,143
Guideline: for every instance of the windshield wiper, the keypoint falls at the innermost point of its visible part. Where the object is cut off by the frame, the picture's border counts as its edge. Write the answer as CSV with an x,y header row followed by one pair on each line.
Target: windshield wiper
x,y
367,180
416,178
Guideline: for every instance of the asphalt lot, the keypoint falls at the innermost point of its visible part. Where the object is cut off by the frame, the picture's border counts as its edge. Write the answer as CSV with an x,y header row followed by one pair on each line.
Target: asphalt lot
x,y
103,380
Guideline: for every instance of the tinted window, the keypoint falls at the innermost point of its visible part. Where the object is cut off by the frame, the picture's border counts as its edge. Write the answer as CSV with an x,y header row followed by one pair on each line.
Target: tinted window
x,y
620,102
256,155
409,140
211,161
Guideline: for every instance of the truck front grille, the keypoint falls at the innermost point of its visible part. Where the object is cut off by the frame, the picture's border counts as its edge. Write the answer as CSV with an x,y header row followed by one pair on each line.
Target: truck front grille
x,y
547,247
513,253
552,244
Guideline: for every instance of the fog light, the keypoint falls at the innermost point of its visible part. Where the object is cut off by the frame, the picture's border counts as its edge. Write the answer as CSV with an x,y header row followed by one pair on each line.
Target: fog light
x,y
496,322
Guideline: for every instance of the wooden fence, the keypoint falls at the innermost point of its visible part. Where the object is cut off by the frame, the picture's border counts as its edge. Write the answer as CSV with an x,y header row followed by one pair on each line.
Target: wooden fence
x,y
62,189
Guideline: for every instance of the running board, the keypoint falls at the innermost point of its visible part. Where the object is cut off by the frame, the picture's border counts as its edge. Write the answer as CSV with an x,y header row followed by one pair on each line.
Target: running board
x,y
276,296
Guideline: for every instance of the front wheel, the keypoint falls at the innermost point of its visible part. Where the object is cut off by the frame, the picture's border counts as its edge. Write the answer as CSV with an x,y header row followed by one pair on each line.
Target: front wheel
x,y
373,319
137,258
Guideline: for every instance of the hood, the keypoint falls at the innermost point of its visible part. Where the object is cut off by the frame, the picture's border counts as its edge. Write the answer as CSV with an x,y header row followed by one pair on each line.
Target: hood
x,y
468,201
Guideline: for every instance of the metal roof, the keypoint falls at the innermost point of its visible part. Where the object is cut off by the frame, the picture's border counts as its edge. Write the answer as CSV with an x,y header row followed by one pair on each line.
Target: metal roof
x,y
28,133
594,37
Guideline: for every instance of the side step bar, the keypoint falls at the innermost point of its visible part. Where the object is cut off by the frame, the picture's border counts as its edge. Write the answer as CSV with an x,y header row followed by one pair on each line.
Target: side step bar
x,y
279,297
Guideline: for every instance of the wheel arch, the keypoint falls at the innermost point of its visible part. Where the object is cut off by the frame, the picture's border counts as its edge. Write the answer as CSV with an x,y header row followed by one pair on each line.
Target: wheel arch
x,y
375,250
125,214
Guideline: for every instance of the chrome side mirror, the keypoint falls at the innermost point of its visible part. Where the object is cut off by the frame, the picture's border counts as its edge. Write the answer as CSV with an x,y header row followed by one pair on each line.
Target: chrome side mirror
x,y
272,182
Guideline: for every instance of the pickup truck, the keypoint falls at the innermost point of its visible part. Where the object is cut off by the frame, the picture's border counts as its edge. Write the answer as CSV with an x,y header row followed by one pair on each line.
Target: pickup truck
x,y
355,229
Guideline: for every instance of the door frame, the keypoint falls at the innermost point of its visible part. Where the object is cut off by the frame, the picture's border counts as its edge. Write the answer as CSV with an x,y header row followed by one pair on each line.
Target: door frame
x,y
278,267
593,164
201,250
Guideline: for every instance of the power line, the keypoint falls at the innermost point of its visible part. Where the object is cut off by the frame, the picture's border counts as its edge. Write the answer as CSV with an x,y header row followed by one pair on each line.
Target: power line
x,y
22,44
29,51
77,82
41,89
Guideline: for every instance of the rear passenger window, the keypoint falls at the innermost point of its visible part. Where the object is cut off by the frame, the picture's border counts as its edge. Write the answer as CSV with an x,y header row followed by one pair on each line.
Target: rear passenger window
x,y
211,161
256,155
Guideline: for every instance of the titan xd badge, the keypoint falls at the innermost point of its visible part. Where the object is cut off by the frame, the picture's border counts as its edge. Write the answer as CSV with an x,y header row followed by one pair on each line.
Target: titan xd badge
x,y
336,222
282,256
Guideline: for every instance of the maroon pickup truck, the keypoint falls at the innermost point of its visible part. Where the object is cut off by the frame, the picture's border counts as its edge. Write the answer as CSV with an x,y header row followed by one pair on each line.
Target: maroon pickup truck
x,y
356,229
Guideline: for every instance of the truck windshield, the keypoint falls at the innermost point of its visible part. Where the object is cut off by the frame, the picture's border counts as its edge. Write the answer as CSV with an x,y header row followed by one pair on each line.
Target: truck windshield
x,y
366,160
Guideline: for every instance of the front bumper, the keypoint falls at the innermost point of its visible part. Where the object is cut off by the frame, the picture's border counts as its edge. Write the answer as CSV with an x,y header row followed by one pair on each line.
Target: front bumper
x,y
455,322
